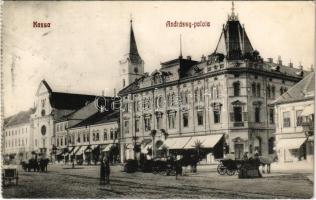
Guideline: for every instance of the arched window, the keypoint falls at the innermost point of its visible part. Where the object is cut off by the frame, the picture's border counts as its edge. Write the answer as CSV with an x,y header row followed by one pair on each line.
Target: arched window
x,y
105,134
258,90
236,86
273,91
172,99
196,95
253,89
78,138
201,94
111,134
186,99
93,136
268,91
97,137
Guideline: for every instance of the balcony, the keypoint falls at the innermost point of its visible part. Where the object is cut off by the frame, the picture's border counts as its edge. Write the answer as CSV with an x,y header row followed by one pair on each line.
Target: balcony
x,y
238,124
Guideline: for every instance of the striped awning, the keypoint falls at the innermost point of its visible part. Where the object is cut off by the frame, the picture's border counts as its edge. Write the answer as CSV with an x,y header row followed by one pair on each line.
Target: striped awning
x,y
107,148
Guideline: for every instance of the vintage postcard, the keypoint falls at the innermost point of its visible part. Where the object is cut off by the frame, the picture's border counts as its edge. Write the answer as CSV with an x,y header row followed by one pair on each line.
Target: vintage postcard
x,y
157,99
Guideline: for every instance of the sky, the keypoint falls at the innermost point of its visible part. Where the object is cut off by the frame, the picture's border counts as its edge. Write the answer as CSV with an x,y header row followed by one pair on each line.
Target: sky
x,y
81,49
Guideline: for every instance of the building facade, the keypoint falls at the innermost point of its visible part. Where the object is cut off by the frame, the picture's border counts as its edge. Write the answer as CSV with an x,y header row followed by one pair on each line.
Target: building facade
x,y
221,102
294,112
93,137
18,136
50,106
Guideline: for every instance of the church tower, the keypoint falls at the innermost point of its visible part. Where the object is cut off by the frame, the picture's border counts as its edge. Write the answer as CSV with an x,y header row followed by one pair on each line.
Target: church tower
x,y
132,65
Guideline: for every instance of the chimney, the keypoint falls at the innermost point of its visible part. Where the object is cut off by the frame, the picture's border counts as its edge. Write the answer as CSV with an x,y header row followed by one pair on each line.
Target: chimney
x,y
114,92
312,68
270,60
279,60
188,57
203,58
290,64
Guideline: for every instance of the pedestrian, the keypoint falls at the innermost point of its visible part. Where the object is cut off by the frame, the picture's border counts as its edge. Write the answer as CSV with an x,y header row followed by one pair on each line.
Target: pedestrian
x,y
102,172
245,157
107,171
178,168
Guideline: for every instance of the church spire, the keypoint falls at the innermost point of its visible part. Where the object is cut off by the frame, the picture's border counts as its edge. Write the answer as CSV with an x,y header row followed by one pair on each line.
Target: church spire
x,y
133,52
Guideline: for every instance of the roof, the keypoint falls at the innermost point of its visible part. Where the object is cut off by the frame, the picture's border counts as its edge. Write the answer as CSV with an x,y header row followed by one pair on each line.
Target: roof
x,y
133,52
303,90
69,101
99,118
19,118
234,41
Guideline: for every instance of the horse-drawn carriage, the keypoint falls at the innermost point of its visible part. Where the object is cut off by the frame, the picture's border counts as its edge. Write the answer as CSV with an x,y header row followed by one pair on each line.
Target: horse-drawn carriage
x,y
244,167
229,166
35,165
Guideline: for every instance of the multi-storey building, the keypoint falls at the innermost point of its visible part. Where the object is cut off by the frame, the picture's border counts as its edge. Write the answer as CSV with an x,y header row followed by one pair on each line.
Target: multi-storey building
x,y
94,136
81,130
18,136
294,110
50,106
220,102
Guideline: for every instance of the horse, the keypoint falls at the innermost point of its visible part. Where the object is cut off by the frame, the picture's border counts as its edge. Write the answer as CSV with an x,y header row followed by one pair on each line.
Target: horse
x,y
33,164
43,162
265,162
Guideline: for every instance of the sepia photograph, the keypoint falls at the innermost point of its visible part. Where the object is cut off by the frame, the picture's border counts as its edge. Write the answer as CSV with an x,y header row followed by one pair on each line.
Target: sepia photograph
x,y
157,99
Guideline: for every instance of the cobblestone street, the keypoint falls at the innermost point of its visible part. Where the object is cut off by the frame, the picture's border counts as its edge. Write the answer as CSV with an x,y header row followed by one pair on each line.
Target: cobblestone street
x,y
63,182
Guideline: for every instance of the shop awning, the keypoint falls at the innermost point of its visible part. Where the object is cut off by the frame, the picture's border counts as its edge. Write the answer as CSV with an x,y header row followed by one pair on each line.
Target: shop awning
x,y
308,110
176,143
291,143
206,141
78,150
59,152
107,148
70,149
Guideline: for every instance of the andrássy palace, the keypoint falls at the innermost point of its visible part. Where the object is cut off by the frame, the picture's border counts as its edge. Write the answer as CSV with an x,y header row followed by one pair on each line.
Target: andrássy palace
x,y
220,104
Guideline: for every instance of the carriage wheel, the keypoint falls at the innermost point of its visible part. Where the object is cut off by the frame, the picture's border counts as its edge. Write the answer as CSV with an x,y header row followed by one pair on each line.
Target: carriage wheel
x,y
230,172
221,169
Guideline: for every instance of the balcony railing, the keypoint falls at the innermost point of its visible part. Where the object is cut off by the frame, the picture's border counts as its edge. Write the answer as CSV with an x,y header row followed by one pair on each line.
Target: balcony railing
x,y
239,124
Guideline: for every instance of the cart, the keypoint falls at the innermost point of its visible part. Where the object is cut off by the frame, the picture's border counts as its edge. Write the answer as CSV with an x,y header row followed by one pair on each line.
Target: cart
x,y
229,166
9,174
